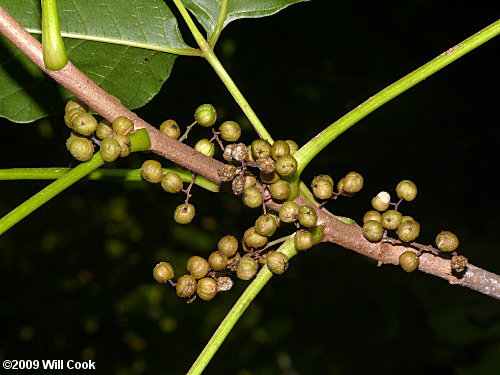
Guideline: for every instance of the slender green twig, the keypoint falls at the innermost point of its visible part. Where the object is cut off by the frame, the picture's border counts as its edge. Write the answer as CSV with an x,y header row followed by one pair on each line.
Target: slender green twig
x,y
139,141
305,154
235,313
220,24
54,52
209,54
122,175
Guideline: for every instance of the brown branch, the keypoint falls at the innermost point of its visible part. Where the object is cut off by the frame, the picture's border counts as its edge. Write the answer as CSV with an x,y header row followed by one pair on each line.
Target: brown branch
x,y
349,236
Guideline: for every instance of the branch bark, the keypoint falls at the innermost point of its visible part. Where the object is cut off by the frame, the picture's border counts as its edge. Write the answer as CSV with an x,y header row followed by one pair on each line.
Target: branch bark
x,y
349,236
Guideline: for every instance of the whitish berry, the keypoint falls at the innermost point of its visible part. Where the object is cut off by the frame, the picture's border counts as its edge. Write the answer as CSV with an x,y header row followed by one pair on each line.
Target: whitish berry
x,y
277,262
151,171
408,261
447,241
186,286
406,190
184,213
458,263
163,272
207,288
373,231
230,131
381,201
206,115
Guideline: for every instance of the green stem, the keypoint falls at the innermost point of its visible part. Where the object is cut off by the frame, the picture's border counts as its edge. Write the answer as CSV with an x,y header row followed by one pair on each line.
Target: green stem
x,y
139,141
46,194
128,175
305,154
220,24
238,309
54,52
209,54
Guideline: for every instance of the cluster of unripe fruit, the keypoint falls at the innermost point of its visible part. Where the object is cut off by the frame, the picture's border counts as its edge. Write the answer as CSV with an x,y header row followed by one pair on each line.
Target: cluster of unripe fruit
x,y
378,221
86,131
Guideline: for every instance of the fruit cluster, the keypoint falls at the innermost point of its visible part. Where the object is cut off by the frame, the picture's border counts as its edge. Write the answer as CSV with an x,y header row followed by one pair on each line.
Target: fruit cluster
x,y
378,221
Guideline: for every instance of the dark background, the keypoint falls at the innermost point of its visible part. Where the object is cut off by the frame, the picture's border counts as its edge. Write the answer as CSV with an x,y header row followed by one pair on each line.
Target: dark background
x,y
76,275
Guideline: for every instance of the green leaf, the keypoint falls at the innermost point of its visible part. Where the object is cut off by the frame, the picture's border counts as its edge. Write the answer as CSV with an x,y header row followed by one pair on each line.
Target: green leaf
x,y
207,11
117,43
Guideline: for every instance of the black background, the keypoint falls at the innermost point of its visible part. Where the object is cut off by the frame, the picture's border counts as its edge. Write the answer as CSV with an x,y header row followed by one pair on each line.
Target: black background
x,y
75,276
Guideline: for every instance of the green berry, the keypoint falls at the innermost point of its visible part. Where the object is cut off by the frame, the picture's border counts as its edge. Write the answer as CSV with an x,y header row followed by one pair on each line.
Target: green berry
x,y
406,190
279,149
252,197
246,268
218,260
186,286
372,215
228,245
303,239
322,188
307,216
104,130
277,262
123,125
322,177
407,218
261,149
280,190
353,182
318,233
269,178
198,267
171,182
381,201
265,225
294,147
80,148
163,272
76,103
289,212
124,142
447,241
184,213
84,124
408,230
408,261
207,288
230,131
110,150
286,165
152,171
253,240
205,147
206,115
70,115
391,219
373,231
170,128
